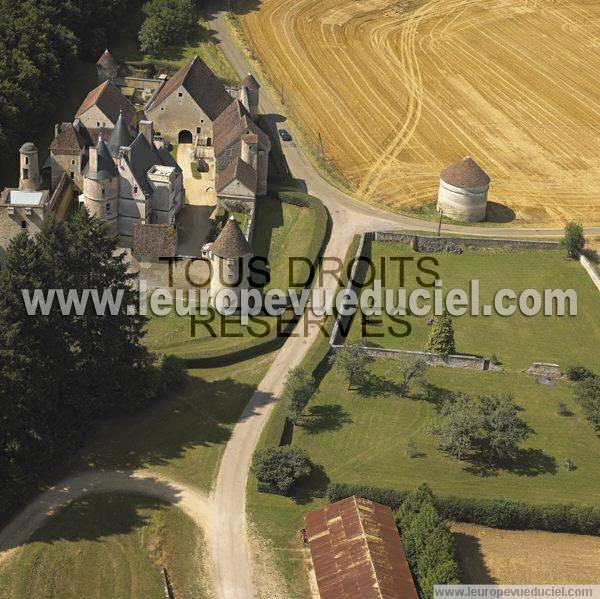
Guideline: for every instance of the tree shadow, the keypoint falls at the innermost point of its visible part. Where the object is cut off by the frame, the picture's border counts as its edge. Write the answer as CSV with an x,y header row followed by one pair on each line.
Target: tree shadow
x,y
434,394
311,487
471,560
499,213
527,462
325,418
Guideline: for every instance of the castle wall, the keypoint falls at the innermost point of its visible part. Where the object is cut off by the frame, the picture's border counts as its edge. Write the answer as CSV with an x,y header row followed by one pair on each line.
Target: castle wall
x,y
103,206
93,118
229,274
462,204
235,193
11,224
262,171
176,113
63,163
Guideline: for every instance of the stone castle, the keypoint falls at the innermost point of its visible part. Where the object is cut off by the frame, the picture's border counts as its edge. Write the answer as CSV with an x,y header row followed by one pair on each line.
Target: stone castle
x,y
118,160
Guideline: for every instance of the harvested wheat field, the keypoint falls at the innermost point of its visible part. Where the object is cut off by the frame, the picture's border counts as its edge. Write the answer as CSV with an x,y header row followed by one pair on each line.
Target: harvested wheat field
x,y
400,89
494,556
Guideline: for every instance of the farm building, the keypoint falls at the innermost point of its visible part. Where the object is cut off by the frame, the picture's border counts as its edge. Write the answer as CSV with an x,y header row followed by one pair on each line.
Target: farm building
x,y
463,191
357,553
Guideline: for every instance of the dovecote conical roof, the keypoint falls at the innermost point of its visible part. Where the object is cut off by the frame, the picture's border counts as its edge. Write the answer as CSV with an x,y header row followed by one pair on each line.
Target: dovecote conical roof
x,y
231,242
466,174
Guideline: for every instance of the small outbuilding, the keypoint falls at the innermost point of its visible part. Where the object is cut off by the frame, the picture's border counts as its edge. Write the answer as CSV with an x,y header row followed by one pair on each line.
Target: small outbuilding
x,y
463,191
357,553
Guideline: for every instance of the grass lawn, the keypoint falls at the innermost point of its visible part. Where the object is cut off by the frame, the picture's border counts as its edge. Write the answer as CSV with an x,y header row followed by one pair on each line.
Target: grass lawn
x,y
285,230
109,545
517,340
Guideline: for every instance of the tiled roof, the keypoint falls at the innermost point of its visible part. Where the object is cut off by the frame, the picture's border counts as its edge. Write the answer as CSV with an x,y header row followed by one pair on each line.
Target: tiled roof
x,y
357,553
201,83
110,101
466,174
154,240
68,139
250,82
237,169
107,61
231,243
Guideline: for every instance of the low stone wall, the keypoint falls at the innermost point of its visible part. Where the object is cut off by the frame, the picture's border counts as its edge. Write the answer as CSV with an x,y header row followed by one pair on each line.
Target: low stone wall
x,y
453,361
545,369
426,243
590,270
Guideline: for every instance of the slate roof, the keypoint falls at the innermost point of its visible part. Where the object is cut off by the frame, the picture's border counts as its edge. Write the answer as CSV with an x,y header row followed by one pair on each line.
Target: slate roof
x,y
69,139
466,174
108,98
154,240
141,156
120,136
250,82
237,169
357,553
28,146
201,83
106,165
231,242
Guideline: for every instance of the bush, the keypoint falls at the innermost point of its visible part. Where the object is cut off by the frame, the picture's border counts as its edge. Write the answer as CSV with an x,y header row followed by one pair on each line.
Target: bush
x,y
495,513
562,409
569,465
281,467
587,394
573,240
579,373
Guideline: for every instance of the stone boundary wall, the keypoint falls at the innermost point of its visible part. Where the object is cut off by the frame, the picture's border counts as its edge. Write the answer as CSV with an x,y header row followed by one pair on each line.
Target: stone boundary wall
x,y
334,338
453,361
545,369
426,243
589,268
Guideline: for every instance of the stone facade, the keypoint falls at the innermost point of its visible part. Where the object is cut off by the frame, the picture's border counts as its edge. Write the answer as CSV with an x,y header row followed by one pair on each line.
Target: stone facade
x,y
468,205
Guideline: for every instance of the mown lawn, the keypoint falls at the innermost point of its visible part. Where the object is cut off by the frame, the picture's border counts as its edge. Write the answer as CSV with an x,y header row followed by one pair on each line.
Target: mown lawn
x,y
289,225
109,545
516,340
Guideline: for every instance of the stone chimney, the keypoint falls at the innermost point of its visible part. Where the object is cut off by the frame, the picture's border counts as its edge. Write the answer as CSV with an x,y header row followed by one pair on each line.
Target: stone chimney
x,y
146,130
245,99
93,159
250,149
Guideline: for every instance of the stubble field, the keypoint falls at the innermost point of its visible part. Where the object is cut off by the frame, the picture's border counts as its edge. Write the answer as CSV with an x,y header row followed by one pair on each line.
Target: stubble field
x,y
399,89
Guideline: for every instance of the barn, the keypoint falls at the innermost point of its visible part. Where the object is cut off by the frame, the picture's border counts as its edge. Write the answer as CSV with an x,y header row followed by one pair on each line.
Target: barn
x,y
356,552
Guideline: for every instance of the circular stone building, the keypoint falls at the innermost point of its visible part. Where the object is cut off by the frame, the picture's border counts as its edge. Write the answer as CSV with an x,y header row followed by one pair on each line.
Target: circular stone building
x,y
463,191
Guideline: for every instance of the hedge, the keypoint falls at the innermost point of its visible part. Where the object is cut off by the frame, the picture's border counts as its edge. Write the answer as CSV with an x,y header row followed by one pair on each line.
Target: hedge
x,y
495,513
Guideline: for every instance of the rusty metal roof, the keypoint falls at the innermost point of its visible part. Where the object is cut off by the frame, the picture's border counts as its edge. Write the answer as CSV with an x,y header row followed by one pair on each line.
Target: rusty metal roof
x,y
357,553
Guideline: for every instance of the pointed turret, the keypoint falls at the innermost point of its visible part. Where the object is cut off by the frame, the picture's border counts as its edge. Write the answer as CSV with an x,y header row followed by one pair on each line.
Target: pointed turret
x,y
100,165
121,136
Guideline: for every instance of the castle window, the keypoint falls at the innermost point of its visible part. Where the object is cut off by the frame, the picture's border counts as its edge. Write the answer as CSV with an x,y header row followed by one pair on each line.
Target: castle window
x,y
180,94
198,129
98,123
72,162
135,189
162,108
103,191
24,224
25,173
26,159
72,175
108,208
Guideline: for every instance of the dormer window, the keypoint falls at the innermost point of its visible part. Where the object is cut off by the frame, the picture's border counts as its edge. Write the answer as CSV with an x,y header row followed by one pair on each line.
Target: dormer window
x,y
180,94
135,189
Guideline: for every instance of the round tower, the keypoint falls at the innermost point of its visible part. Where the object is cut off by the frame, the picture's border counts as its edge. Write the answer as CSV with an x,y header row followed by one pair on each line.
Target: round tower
x,y
230,256
29,173
101,186
253,91
463,191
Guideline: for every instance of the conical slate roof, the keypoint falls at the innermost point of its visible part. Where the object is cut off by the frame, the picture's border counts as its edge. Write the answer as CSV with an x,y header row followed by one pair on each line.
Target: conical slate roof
x,y
106,165
121,135
231,242
466,174
250,82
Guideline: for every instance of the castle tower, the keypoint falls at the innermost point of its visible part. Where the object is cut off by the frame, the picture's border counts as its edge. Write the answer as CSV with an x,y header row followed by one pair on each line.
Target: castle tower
x,y
101,186
29,172
253,91
230,255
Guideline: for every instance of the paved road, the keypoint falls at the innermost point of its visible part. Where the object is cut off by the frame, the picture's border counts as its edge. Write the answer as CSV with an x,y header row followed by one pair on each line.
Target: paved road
x,y
231,563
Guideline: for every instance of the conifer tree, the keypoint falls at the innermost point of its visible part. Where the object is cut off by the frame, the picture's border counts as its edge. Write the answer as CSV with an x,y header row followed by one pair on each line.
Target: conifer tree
x,y
441,338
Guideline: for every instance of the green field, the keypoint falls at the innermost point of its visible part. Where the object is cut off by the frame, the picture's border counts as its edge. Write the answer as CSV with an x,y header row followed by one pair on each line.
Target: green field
x,y
516,340
289,224
109,545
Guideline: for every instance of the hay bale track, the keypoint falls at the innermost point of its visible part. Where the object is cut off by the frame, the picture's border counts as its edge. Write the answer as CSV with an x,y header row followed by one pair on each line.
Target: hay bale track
x,y
400,88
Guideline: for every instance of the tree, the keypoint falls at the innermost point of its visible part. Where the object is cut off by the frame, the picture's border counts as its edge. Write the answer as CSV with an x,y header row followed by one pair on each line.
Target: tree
x,y
573,240
298,389
502,429
441,338
281,467
410,369
457,434
167,23
587,394
353,361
